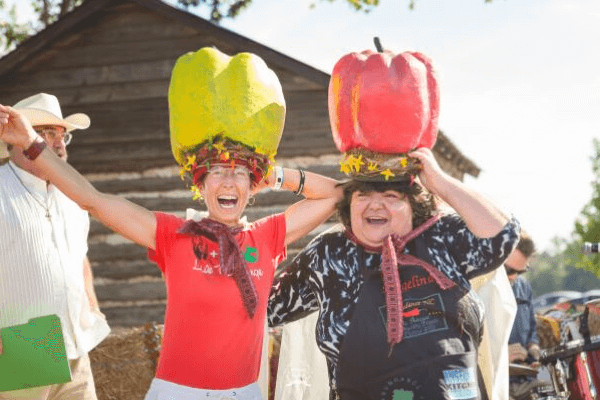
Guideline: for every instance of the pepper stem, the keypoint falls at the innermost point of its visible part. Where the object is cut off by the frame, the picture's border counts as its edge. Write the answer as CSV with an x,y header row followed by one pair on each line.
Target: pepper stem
x,y
378,45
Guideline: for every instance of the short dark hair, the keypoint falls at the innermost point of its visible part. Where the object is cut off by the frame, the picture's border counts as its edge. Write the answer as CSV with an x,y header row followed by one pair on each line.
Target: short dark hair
x,y
526,245
422,202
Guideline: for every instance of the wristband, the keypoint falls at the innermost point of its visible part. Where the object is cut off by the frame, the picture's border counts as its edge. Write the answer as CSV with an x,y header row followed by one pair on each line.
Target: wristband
x,y
278,178
298,192
35,149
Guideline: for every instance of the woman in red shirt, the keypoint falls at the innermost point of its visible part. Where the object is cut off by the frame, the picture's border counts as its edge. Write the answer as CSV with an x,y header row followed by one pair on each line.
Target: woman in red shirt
x,y
219,269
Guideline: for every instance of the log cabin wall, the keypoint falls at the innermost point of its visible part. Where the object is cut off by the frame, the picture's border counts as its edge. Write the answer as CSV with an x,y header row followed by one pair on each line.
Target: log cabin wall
x,y
112,60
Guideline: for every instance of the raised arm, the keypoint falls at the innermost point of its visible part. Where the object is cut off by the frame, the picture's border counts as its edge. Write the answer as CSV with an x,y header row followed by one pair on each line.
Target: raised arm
x,y
124,217
321,195
482,218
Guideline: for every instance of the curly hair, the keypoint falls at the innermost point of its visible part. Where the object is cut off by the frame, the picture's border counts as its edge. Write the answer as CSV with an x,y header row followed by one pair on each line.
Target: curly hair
x,y
422,202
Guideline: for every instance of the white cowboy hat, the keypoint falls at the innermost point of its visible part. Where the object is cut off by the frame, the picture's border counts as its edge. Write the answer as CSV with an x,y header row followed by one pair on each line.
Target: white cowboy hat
x,y
44,109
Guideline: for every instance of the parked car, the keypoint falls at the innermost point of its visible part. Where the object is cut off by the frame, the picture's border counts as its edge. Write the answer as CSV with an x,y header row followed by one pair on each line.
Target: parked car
x,y
547,300
591,295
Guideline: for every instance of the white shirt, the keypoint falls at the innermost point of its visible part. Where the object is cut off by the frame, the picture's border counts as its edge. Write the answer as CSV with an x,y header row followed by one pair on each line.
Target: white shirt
x,y
41,260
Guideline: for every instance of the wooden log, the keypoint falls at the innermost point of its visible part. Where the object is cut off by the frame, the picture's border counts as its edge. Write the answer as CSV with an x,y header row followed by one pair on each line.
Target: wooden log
x,y
135,315
125,269
165,184
128,291
136,26
100,252
52,80
96,54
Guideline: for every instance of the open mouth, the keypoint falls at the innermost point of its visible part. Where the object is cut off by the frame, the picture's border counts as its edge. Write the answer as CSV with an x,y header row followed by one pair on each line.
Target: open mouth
x,y
227,201
376,220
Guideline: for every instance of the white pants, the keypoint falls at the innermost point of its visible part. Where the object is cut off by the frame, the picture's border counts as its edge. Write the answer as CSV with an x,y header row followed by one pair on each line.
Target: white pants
x,y
164,390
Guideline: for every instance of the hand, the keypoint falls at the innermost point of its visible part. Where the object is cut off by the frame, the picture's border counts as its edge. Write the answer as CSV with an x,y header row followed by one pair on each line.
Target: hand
x,y
534,351
15,129
516,353
431,174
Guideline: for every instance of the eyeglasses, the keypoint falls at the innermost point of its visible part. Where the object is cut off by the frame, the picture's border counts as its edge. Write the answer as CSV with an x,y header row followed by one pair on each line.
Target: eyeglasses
x,y
240,172
511,271
51,132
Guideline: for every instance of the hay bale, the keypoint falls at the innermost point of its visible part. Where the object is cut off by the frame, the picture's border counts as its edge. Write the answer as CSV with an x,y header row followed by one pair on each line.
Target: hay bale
x,y
548,330
593,318
124,364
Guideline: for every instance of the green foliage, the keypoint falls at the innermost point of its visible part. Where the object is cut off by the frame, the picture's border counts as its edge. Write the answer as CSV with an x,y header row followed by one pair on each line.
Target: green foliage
x,y
12,32
47,11
587,226
546,274
219,9
362,5
566,267
552,272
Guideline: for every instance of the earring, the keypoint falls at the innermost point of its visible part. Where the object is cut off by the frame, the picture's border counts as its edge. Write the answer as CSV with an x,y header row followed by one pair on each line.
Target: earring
x,y
251,201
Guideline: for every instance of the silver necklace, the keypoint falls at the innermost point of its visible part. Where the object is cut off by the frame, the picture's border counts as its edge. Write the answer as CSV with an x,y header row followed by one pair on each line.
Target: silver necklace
x,y
44,206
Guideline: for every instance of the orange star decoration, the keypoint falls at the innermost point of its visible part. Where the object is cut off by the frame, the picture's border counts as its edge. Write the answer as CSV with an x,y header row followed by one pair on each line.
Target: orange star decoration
x,y
224,156
388,174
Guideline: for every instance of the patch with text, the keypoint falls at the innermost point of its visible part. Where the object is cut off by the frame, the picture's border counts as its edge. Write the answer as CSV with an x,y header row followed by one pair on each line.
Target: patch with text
x,y
421,316
462,383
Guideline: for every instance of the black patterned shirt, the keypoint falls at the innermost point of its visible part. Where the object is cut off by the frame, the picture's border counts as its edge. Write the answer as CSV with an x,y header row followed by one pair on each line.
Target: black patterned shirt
x,y
326,275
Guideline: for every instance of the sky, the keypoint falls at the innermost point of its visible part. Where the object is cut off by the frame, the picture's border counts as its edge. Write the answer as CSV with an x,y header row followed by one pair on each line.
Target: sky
x,y
519,82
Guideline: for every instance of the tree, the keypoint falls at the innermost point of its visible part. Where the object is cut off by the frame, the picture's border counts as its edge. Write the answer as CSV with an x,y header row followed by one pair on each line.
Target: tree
x,y
580,271
11,31
587,226
49,11
220,9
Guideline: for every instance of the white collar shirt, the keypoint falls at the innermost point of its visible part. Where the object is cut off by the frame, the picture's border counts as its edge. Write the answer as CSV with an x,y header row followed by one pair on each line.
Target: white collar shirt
x,y
43,244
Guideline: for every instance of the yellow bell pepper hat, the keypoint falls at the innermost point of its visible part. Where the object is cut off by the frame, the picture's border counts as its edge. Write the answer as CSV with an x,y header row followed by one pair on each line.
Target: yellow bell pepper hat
x,y
224,109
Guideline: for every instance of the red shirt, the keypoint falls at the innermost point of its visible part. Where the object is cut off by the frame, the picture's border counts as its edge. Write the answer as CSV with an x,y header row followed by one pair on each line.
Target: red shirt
x,y
209,340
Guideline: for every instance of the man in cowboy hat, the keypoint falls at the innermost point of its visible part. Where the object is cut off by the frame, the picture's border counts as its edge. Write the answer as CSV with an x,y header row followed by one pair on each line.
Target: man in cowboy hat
x,y
44,270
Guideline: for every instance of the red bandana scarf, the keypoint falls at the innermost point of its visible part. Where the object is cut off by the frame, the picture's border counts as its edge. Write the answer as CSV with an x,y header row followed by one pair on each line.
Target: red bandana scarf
x,y
232,262
392,253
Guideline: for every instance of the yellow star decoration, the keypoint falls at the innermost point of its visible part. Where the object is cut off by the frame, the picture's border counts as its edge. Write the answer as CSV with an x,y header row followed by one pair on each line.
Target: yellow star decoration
x,y
224,156
388,174
372,166
196,192
357,162
344,167
190,162
182,172
403,162
219,146
350,161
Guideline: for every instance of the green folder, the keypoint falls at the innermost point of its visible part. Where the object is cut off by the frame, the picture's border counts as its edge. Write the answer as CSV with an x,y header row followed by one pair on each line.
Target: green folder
x,y
33,355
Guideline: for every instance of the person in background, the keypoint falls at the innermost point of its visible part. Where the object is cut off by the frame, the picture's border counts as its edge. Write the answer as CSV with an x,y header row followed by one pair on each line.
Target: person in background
x,y
523,343
44,269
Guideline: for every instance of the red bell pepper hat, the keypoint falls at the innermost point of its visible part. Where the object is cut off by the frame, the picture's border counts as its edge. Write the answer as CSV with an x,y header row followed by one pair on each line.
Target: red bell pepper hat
x,y
382,106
